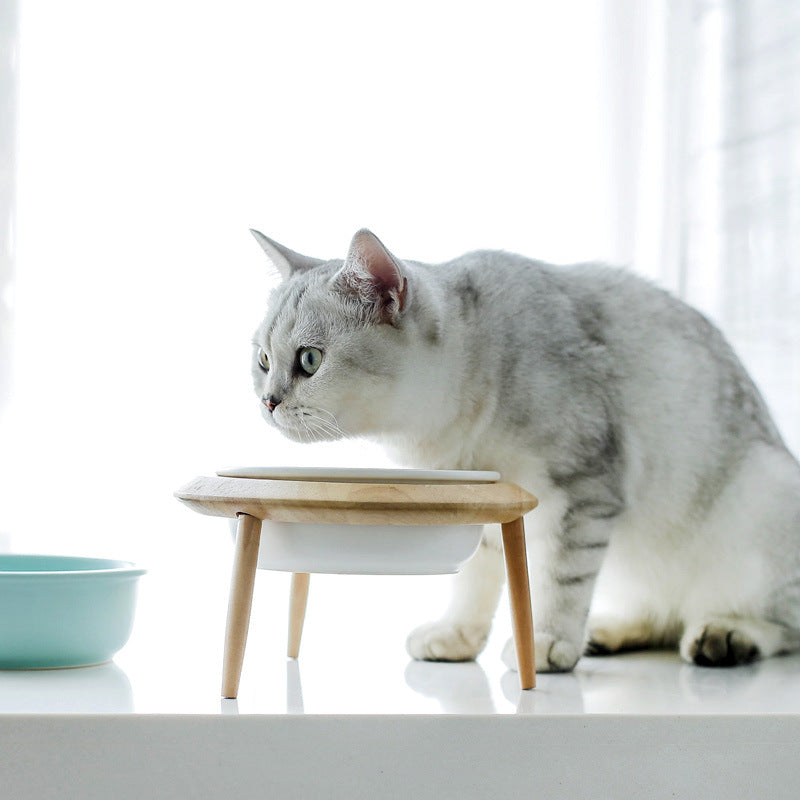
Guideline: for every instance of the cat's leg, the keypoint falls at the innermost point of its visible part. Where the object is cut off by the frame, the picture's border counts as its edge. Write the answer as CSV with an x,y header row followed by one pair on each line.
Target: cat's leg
x,y
728,641
633,606
612,634
745,604
564,572
462,632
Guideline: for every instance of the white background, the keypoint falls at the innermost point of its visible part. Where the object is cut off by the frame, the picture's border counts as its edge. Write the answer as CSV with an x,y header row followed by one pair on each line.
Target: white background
x,y
153,135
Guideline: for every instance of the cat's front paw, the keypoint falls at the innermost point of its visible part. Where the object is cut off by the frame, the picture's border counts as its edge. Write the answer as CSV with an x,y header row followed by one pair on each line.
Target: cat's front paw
x,y
446,640
552,655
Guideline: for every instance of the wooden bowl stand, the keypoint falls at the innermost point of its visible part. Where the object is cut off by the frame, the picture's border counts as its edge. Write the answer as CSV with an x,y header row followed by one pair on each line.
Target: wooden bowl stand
x,y
253,500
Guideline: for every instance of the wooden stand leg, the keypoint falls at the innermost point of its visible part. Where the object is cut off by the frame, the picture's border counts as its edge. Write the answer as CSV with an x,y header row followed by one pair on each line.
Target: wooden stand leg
x,y
519,593
297,611
245,561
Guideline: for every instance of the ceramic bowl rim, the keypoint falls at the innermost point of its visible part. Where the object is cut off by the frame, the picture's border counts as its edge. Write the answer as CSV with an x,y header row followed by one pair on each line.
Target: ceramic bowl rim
x,y
399,475
105,567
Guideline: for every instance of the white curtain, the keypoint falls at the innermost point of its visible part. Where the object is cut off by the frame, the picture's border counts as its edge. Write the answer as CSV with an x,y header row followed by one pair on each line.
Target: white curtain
x,y
8,122
8,127
705,179
741,222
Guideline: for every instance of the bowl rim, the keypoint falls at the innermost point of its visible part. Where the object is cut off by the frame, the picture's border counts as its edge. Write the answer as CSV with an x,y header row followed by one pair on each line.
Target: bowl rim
x,y
105,567
398,475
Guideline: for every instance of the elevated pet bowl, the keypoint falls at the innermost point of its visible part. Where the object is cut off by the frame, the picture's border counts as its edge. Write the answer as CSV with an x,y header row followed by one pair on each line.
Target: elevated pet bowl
x,y
357,521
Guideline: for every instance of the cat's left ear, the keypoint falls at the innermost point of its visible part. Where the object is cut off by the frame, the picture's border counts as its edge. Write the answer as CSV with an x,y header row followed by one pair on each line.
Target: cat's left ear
x,y
375,277
286,261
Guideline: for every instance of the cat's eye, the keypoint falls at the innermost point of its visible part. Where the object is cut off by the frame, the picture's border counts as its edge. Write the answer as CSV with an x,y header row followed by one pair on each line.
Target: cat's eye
x,y
310,359
263,360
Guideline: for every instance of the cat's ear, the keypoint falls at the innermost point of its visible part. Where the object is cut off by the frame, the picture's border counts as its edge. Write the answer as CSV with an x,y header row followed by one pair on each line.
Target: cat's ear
x,y
375,276
286,261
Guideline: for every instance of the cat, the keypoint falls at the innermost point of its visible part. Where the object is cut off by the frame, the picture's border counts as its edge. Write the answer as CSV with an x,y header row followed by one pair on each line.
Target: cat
x,y
669,504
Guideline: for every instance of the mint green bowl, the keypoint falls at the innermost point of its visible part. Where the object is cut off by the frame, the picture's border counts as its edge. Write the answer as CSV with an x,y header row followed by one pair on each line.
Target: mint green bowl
x,y
61,611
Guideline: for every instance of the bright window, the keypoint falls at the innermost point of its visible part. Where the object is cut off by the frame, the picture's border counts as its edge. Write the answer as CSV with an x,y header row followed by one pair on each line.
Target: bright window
x,y
151,136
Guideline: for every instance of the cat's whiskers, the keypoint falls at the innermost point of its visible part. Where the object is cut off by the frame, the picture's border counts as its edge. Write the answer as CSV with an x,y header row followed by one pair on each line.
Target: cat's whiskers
x,y
309,430
334,425
316,426
324,427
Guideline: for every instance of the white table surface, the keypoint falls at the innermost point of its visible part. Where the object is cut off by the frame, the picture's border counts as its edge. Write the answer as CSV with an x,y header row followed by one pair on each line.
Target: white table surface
x,y
353,661
354,717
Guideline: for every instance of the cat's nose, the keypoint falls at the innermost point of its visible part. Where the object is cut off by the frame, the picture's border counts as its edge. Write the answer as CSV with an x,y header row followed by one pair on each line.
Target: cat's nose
x,y
271,402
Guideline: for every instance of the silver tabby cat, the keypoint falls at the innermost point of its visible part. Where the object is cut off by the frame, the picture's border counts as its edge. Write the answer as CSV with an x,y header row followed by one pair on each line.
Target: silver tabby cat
x,y
669,505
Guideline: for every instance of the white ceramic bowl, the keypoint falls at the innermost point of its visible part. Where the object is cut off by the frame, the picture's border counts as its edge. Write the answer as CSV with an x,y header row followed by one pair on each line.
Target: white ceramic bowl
x,y
365,549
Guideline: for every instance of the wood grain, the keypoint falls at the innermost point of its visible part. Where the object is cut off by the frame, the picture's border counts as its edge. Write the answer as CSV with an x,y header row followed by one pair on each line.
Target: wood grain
x,y
298,600
357,503
519,594
248,537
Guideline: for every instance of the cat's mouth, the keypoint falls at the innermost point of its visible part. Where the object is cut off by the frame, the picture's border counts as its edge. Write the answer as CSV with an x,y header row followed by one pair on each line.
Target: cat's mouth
x,y
304,424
